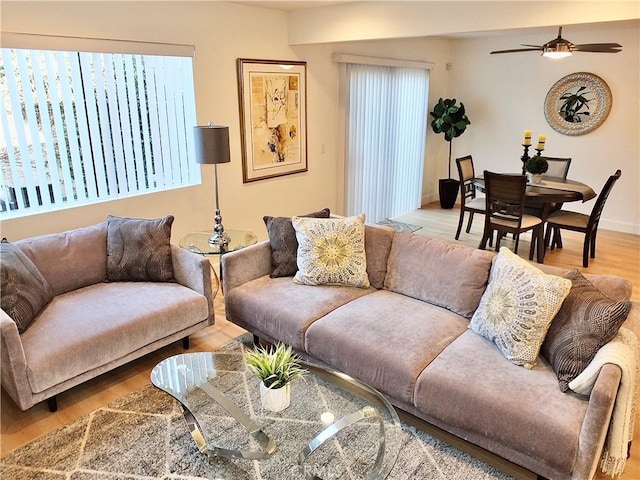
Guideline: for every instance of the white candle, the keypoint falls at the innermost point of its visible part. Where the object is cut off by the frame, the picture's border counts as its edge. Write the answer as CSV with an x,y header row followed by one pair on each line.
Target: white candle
x,y
541,141
527,137
327,418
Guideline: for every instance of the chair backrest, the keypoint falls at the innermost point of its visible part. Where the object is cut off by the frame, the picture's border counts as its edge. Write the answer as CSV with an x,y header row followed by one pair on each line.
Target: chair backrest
x,y
596,212
466,173
558,167
505,197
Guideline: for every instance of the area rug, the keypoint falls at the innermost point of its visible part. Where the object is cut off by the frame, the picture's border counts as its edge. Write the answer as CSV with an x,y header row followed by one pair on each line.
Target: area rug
x,y
399,226
143,436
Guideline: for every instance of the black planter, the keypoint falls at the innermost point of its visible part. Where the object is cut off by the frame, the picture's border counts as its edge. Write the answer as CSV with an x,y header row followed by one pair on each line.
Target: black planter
x,y
448,188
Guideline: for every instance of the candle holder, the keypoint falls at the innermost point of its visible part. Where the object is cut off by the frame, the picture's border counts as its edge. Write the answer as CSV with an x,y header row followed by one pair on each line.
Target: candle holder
x,y
539,150
525,156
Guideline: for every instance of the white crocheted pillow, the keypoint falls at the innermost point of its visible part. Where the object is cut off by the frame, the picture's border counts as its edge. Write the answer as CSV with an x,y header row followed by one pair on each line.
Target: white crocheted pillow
x,y
331,251
518,306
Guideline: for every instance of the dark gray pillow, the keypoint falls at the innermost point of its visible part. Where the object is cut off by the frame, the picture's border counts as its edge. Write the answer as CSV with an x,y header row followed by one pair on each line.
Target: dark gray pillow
x,y
284,245
587,320
25,291
139,250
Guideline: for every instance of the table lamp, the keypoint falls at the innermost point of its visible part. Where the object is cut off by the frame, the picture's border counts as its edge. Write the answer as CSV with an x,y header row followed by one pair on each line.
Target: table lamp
x,y
212,147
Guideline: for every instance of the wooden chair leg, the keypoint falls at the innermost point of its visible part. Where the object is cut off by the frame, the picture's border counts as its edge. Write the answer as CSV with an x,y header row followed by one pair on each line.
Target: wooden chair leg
x,y
547,237
469,222
460,221
585,251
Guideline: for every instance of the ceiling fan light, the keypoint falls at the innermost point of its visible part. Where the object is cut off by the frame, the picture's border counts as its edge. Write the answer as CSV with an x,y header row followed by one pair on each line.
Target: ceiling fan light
x,y
559,50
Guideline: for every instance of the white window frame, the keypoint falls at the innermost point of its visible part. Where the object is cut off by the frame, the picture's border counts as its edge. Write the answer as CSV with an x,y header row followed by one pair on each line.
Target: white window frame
x,y
124,160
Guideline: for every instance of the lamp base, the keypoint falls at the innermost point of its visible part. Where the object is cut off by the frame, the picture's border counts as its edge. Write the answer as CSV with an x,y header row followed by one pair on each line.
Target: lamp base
x,y
221,239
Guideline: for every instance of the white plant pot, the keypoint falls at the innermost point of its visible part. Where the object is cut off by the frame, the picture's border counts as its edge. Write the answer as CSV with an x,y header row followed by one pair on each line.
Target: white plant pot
x,y
275,399
534,178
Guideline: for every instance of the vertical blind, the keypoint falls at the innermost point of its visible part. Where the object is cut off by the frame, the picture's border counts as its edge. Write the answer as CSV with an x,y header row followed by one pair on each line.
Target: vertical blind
x,y
386,124
81,127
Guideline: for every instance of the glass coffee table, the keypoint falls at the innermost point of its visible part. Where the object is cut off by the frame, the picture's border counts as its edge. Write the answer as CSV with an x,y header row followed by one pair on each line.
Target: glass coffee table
x,y
335,427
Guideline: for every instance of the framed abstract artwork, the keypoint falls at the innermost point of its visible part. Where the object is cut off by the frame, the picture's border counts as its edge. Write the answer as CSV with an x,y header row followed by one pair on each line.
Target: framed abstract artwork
x,y
273,117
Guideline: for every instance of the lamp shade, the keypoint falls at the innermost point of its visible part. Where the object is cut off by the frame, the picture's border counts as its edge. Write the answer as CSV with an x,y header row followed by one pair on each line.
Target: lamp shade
x,y
212,144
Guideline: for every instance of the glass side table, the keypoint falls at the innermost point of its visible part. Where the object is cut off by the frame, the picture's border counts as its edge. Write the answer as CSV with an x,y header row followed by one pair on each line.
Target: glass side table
x,y
198,242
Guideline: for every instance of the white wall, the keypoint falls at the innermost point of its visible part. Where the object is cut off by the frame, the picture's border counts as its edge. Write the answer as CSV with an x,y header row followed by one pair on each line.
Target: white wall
x,y
221,33
504,95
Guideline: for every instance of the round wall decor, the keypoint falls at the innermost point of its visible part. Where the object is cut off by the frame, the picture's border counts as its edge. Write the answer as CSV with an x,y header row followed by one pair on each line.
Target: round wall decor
x,y
577,104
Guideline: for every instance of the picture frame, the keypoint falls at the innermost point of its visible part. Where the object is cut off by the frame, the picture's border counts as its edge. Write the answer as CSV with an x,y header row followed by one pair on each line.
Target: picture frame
x,y
273,117
577,103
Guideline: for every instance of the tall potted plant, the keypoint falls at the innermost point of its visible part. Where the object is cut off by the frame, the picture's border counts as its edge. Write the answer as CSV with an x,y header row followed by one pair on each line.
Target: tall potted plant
x,y
450,119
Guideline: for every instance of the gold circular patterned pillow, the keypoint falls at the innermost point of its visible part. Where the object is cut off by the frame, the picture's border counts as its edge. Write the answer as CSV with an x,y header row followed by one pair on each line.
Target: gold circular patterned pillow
x,y
331,251
518,306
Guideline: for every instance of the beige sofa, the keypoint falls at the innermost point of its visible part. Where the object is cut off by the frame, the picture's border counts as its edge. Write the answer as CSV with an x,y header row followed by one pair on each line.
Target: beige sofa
x,y
407,336
91,325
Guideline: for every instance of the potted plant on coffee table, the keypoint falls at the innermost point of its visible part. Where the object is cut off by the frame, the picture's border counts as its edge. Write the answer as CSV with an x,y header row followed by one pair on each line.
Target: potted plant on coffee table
x,y
276,367
449,118
535,166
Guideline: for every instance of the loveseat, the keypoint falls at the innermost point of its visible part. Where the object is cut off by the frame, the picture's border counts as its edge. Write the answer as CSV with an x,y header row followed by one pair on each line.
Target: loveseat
x,y
407,333
108,294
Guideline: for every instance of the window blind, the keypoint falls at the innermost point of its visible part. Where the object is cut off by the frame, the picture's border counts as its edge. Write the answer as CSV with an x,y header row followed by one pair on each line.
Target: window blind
x,y
80,127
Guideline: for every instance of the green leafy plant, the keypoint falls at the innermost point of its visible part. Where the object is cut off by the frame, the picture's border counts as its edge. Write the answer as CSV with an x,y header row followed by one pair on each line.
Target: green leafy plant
x,y
573,103
275,366
450,119
536,165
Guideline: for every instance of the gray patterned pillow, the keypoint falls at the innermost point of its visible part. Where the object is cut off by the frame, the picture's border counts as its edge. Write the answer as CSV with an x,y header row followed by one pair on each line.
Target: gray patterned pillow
x,y
517,307
139,250
24,290
284,246
587,321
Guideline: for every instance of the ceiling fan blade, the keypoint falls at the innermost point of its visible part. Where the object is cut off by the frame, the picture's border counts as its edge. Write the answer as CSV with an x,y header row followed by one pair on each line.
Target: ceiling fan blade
x,y
536,46
585,47
518,50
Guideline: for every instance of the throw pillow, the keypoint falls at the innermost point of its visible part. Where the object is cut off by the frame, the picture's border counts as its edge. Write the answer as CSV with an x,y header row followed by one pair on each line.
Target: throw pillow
x,y
517,307
284,246
24,290
139,250
331,251
587,320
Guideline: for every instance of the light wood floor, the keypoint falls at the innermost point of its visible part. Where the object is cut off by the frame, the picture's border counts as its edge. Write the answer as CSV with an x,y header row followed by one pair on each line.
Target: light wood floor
x,y
617,254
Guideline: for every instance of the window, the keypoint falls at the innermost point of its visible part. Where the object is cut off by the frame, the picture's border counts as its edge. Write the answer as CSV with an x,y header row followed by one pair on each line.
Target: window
x,y
80,127
385,108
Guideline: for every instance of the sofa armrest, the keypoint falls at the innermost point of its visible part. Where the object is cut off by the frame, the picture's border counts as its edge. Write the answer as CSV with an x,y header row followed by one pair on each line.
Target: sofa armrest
x,y
193,271
246,264
596,421
14,363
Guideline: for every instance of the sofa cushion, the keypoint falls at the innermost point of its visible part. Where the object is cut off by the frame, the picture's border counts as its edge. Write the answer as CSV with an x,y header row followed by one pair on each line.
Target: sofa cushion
x,y
587,320
367,339
442,273
139,249
84,328
24,291
377,245
331,251
82,251
284,246
517,308
521,413
283,310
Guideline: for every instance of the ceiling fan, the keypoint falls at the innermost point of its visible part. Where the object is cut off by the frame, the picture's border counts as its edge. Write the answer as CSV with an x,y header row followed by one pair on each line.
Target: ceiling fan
x,y
559,47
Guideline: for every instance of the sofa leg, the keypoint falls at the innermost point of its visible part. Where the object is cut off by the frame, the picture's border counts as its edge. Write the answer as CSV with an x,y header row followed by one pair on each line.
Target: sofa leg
x,y
256,340
185,343
52,402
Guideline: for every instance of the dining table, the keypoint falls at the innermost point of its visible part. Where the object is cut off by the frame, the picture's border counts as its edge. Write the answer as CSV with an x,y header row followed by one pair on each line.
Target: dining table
x,y
550,192
548,196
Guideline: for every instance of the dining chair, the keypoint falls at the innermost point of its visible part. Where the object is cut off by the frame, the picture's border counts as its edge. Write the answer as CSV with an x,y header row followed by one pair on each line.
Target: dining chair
x,y
505,196
580,222
468,200
558,167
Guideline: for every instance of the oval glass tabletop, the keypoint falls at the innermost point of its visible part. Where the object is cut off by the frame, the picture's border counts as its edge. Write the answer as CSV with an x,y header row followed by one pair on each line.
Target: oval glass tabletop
x,y
335,427
198,242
